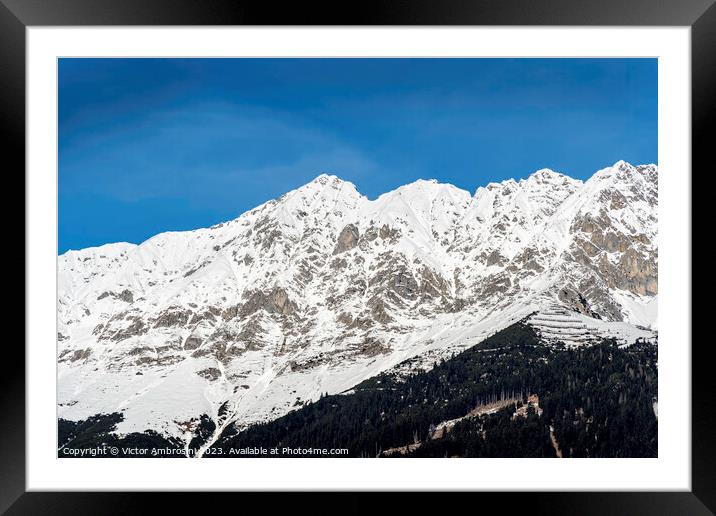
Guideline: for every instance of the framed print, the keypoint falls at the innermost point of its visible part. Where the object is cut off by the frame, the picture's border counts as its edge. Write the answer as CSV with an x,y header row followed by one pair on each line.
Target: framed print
x,y
427,249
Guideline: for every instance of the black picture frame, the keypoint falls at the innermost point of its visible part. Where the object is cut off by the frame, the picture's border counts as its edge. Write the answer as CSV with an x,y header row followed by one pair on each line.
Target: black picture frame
x,y
17,15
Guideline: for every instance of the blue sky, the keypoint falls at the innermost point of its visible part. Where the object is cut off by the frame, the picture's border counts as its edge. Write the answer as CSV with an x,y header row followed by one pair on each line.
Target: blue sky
x,y
152,145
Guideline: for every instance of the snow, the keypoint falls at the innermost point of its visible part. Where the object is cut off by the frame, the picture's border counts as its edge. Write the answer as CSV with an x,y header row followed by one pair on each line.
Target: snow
x,y
640,310
556,324
481,262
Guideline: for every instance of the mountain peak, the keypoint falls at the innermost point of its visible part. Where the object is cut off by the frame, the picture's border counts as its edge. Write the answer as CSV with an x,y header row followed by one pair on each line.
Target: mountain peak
x,y
547,178
493,185
625,168
324,179
620,169
325,192
421,187
327,181
545,175
422,181
422,184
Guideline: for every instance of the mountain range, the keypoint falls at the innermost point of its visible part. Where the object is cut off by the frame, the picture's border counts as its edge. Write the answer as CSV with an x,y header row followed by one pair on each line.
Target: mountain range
x,y
323,288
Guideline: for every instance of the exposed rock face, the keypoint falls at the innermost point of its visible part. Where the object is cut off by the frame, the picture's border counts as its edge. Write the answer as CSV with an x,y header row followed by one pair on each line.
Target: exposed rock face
x,y
322,288
126,296
172,317
274,301
74,356
347,239
635,269
210,373
192,342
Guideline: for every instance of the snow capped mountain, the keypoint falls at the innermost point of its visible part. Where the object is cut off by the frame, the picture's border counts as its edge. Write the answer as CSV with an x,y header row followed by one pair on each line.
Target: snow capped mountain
x,y
322,288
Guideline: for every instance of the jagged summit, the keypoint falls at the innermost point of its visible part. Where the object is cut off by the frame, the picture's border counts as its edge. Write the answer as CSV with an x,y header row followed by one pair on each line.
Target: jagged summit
x,y
326,179
546,175
622,168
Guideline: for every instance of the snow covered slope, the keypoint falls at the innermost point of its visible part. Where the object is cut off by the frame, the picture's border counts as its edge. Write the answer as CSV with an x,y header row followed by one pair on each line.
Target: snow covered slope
x,y
555,323
322,288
